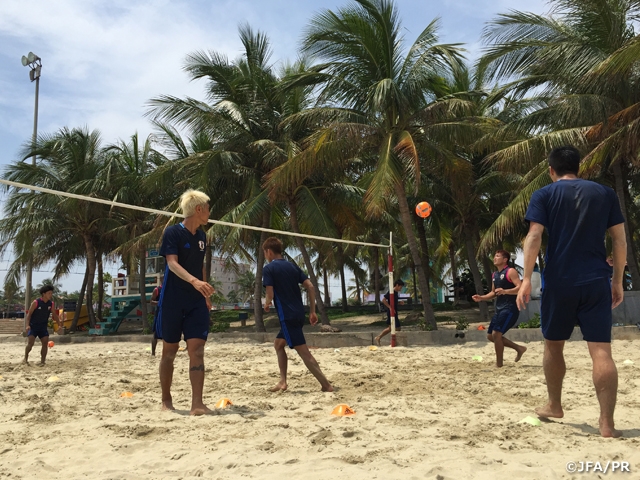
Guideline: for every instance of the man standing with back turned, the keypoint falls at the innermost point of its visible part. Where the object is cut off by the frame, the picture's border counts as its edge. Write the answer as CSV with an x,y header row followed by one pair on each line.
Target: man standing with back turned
x,y
576,285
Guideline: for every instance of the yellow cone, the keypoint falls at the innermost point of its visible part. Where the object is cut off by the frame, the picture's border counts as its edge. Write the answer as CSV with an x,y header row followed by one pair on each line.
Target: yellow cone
x,y
126,395
373,348
223,403
343,410
53,379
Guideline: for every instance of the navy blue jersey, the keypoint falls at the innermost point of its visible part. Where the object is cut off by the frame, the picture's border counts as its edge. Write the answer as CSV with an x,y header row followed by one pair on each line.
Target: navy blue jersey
x,y
576,213
40,315
501,280
190,249
285,278
396,297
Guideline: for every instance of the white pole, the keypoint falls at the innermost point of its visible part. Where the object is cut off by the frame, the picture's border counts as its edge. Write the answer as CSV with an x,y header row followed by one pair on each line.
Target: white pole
x,y
392,295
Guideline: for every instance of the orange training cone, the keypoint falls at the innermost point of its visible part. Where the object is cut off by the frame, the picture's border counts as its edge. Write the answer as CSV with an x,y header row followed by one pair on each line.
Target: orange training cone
x,y
343,410
223,403
481,327
126,395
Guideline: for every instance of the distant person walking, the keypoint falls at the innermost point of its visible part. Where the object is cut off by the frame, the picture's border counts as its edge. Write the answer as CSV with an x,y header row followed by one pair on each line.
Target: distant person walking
x,y
576,287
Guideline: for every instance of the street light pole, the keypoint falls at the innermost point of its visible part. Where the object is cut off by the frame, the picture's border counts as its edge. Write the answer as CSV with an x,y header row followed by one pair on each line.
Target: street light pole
x,y
35,64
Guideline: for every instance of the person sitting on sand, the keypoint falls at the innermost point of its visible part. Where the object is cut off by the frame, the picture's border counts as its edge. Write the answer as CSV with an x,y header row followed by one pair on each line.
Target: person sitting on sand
x,y
36,323
184,303
505,286
282,280
397,286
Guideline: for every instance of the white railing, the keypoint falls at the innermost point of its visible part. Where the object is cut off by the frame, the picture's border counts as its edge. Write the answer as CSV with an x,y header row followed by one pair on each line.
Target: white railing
x,y
130,285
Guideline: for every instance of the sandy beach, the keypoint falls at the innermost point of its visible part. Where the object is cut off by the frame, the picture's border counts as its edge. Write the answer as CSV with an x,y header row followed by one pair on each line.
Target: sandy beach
x,y
421,413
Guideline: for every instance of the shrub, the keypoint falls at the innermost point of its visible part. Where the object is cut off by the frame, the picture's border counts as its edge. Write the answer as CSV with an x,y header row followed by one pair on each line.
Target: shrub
x,y
533,323
462,323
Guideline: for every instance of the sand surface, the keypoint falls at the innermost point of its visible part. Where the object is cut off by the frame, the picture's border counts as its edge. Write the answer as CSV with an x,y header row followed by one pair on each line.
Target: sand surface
x,y
422,413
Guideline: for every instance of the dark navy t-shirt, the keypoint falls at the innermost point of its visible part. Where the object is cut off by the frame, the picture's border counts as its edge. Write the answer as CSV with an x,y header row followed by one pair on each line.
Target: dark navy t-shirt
x,y
576,213
190,249
285,278
396,298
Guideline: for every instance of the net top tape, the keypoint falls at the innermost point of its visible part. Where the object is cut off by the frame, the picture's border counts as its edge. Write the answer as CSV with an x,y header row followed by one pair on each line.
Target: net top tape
x,y
172,214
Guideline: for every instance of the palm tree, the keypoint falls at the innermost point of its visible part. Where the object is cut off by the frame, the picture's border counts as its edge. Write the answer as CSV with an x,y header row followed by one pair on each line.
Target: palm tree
x,y
580,64
375,102
64,230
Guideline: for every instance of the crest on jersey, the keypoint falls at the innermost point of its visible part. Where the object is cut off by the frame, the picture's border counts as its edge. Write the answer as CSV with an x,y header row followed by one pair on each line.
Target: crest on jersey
x,y
502,277
201,245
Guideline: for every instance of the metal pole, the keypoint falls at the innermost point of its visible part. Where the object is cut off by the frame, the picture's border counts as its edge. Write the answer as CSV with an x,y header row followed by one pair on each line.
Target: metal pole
x,y
29,280
392,293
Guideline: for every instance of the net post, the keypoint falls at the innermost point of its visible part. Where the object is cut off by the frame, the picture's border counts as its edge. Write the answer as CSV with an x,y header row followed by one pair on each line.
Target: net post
x,y
392,296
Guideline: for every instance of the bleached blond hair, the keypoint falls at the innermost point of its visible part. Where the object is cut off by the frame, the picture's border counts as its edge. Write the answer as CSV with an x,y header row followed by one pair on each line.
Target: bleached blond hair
x,y
190,199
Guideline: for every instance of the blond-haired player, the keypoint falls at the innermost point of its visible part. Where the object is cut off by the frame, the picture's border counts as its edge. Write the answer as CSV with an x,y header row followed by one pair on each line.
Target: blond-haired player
x,y
184,301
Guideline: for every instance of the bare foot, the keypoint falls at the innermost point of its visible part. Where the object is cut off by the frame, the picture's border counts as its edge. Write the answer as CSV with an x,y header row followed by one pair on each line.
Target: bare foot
x,y
201,410
608,431
328,388
520,351
167,405
41,364
280,387
25,362
549,412
498,365
377,339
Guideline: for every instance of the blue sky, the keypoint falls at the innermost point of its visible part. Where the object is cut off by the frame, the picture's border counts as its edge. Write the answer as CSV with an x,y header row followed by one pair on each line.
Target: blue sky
x,y
102,60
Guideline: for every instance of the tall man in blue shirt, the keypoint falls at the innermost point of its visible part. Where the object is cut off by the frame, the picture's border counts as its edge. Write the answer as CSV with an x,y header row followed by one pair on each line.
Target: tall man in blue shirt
x,y
184,300
282,280
576,285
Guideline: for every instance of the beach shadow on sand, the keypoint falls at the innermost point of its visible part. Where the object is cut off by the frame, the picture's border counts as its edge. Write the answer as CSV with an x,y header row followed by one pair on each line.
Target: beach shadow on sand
x,y
234,410
591,430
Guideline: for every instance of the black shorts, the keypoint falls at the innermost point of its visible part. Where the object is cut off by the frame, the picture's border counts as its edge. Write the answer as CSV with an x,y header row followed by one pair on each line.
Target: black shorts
x,y
175,320
503,320
38,331
397,321
564,307
291,331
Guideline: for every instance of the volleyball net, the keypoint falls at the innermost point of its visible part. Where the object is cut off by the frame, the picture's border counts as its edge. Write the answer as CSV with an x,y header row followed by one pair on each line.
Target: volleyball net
x,y
153,211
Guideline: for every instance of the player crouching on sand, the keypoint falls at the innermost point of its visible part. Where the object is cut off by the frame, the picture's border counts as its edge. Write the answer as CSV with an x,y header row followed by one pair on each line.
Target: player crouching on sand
x,y
505,287
282,280
36,323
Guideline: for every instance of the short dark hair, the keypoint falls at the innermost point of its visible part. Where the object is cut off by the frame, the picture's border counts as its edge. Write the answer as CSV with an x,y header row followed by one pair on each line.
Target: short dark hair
x,y
565,160
504,253
46,288
273,244
398,282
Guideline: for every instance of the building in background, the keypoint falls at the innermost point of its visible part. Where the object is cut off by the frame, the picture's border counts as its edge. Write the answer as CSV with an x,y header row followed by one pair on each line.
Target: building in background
x,y
226,277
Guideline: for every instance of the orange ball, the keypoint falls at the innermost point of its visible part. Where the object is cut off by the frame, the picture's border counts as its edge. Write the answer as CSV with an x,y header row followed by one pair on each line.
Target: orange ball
x,y
51,344
423,209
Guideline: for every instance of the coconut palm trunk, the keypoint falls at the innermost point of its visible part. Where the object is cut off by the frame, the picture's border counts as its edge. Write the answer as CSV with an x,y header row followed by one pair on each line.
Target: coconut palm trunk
x,y
83,289
143,284
405,216
454,272
343,282
324,318
257,291
327,296
91,268
475,272
376,276
100,287
620,182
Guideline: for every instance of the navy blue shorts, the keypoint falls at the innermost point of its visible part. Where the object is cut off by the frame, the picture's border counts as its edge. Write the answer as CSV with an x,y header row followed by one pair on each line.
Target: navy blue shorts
x,y
174,320
503,320
564,307
397,322
291,331
38,331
